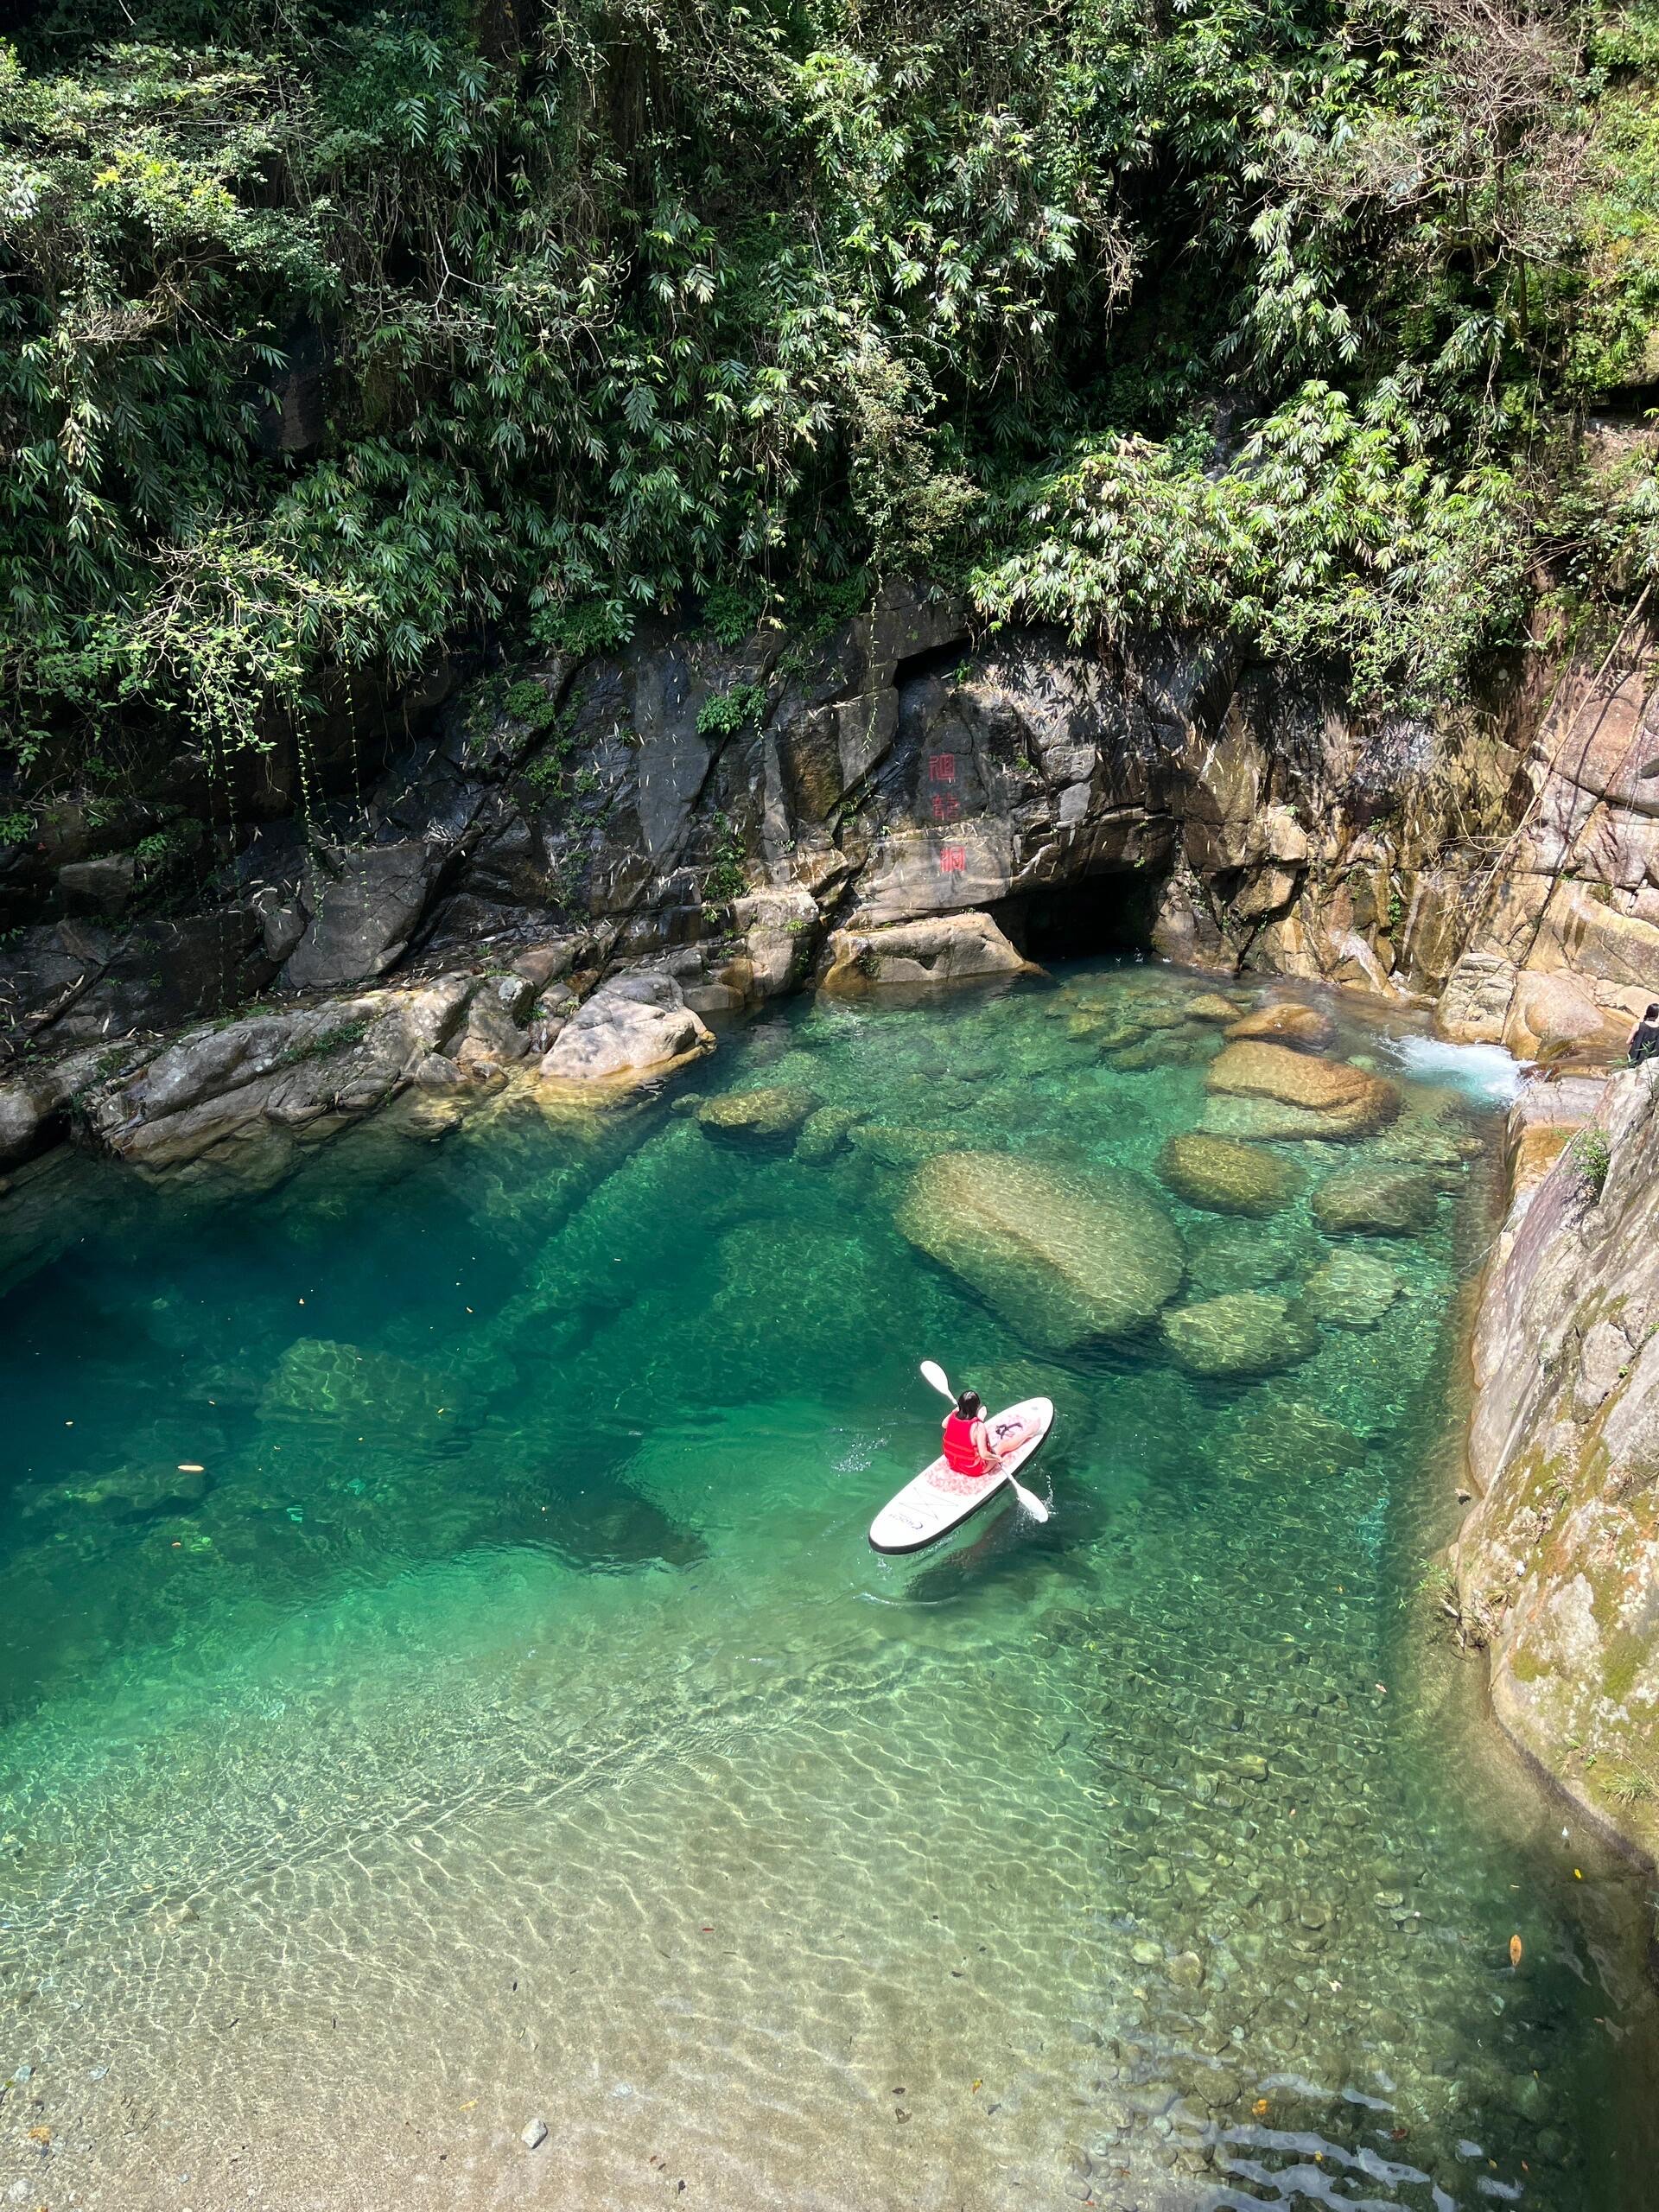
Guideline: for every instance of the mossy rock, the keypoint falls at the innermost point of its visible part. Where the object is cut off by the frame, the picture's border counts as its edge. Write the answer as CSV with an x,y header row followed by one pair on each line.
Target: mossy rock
x,y
895,1146
825,1131
1221,1175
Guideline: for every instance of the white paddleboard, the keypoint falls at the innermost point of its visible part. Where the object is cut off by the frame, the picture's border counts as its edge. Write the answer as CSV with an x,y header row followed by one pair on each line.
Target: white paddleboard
x,y
938,1500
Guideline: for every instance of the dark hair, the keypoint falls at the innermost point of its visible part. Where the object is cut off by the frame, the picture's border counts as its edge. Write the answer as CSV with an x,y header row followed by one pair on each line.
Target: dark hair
x,y
1652,1013
968,1404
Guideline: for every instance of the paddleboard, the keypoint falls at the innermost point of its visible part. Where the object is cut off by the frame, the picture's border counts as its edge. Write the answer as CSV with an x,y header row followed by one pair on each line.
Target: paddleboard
x,y
938,1500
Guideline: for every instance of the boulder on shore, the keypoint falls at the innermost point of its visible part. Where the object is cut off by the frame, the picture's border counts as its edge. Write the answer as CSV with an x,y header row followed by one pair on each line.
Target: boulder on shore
x,y
1221,1175
1373,1201
632,1029
937,949
1063,1259
1243,1332
1347,1101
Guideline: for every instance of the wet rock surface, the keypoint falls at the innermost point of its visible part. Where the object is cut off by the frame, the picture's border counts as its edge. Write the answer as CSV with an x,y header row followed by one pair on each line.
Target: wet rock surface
x,y
1346,1100
1558,1566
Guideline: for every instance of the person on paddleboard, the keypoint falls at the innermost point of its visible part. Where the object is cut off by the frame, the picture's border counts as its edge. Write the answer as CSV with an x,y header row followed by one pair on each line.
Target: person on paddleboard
x,y
969,1447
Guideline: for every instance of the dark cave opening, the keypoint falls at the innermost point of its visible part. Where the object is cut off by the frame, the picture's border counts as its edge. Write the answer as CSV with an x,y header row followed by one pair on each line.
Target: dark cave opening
x,y
1098,915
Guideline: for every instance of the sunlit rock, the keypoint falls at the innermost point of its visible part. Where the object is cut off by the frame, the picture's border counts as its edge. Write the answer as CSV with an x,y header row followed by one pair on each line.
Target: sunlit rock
x,y
1349,1100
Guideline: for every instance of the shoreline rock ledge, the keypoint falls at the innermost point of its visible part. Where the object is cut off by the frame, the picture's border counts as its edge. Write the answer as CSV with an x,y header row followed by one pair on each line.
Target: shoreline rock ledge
x,y
1557,1566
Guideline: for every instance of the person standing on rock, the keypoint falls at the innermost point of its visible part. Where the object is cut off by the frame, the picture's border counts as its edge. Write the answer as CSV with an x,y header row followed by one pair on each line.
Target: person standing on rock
x,y
1645,1038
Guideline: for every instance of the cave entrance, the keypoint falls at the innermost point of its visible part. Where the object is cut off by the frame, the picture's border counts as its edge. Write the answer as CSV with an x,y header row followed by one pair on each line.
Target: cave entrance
x,y
1097,917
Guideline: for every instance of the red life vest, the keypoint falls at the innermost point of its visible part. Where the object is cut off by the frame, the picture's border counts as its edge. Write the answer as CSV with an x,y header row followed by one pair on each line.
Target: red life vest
x,y
961,1453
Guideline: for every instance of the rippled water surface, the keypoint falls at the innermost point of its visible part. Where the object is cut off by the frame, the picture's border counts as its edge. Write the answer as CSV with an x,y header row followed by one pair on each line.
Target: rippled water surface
x,y
509,1718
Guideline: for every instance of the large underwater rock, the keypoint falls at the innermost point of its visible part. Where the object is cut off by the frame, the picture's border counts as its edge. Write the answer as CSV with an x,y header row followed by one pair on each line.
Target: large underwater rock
x,y
762,1116
1063,1258
1352,1290
1221,1175
1242,1334
1367,1200
938,949
1347,1101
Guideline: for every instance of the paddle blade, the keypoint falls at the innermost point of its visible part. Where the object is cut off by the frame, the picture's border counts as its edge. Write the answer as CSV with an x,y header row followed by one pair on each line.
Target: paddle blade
x,y
1029,1500
933,1373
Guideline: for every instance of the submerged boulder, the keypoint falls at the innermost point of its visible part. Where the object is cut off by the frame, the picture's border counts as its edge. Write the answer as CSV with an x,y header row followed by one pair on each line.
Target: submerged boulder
x,y
825,1131
1352,1290
1063,1258
1347,1100
1243,1332
1375,1201
1286,1021
1210,1006
765,1115
1221,1175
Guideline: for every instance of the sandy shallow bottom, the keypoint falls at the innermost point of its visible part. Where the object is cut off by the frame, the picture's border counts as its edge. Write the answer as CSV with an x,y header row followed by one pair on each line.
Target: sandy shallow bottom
x,y
355,1814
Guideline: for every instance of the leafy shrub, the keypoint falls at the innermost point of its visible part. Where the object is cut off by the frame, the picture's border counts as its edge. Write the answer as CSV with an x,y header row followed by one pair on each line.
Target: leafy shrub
x,y
723,714
1591,1156
725,879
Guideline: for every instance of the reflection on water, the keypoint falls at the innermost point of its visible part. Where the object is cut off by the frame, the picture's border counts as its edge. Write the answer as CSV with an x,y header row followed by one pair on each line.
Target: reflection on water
x,y
445,1679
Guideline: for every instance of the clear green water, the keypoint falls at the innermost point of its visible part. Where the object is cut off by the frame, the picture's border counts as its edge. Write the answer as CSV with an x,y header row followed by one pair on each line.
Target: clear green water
x,y
512,1719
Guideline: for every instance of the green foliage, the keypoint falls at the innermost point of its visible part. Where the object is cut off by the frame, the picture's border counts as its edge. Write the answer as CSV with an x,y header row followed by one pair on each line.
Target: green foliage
x,y
1278,318
161,848
725,879
723,714
17,827
339,1039
1332,536
1591,1157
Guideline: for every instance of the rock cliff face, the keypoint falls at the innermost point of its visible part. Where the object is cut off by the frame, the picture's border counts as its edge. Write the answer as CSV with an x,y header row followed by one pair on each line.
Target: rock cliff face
x,y
1558,1567
740,809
